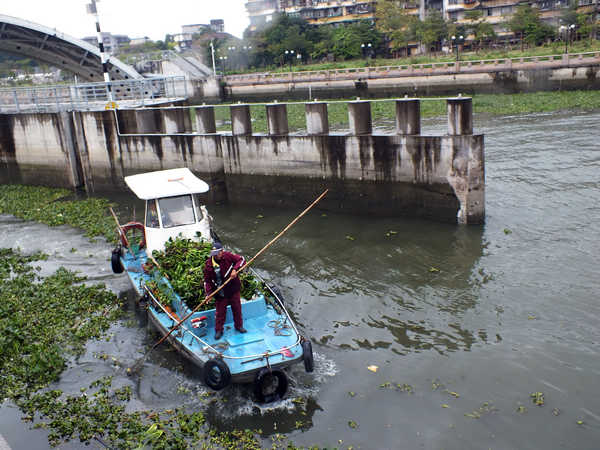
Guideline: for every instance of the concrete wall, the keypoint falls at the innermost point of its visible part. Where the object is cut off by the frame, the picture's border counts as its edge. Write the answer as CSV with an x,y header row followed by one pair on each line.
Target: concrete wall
x,y
441,177
496,82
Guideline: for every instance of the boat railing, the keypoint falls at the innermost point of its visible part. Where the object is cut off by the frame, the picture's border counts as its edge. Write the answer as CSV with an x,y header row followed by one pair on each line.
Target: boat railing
x,y
186,330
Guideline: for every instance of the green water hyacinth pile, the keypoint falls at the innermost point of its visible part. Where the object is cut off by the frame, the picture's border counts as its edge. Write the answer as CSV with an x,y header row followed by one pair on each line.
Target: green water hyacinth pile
x,y
183,260
43,321
58,207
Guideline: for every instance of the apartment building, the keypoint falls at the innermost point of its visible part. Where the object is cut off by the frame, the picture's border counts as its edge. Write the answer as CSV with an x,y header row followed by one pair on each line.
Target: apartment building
x,y
498,12
316,12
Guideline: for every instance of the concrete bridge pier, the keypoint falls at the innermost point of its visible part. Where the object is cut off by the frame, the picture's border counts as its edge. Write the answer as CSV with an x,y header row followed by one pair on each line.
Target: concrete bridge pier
x,y
359,117
176,120
241,122
408,116
205,120
467,174
317,121
460,115
277,119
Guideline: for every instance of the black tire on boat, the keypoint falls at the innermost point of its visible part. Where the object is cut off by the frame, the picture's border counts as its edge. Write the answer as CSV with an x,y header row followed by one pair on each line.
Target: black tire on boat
x,y
307,355
216,374
115,261
270,385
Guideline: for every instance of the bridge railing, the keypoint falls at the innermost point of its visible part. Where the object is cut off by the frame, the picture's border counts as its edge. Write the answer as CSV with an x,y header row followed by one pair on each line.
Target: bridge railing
x,y
401,70
91,96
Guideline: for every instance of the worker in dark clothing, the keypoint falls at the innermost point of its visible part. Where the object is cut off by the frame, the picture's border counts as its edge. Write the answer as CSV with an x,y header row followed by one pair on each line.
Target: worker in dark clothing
x,y
218,268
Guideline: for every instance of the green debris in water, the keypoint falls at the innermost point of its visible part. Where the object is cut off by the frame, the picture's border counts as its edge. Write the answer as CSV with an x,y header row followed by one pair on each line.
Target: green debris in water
x,y
434,269
350,238
485,408
56,207
453,394
405,388
507,231
352,424
537,398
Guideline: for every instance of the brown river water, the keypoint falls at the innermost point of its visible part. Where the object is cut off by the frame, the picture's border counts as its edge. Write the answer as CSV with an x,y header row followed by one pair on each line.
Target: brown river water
x,y
463,323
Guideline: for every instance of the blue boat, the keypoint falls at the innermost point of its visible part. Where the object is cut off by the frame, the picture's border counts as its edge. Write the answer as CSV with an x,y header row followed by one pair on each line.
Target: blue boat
x,y
272,342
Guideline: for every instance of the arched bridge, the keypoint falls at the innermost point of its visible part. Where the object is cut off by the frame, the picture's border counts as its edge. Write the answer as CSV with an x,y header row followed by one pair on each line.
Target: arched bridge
x,y
45,44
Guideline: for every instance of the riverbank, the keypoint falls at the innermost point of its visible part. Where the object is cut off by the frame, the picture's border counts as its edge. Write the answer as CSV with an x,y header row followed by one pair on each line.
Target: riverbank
x,y
555,48
383,111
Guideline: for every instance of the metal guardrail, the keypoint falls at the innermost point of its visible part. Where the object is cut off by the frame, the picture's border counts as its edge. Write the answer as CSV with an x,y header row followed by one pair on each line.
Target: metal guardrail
x,y
433,68
92,96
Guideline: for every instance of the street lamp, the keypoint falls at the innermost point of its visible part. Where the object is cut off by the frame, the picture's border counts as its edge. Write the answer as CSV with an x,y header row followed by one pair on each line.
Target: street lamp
x,y
289,55
366,50
568,32
456,41
223,60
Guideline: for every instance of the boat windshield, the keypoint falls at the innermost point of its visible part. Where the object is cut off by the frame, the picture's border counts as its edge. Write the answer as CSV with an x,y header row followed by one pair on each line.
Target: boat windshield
x,y
176,211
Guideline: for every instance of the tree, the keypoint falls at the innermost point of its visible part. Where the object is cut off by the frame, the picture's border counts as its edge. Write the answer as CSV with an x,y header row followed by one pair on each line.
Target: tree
x,y
568,15
480,29
484,32
347,40
285,33
526,23
586,26
393,20
433,30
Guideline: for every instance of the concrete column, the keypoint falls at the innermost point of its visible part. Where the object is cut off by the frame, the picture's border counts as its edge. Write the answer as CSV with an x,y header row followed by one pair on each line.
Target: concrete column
x,y
359,117
408,116
205,120
127,119
176,120
460,116
69,141
277,119
148,121
317,121
241,122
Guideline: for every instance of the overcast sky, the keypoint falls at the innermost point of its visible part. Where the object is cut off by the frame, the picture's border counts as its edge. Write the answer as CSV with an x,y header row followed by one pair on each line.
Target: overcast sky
x,y
135,18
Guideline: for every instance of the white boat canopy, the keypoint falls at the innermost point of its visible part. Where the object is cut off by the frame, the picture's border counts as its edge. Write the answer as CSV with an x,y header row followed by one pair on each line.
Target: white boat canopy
x,y
165,183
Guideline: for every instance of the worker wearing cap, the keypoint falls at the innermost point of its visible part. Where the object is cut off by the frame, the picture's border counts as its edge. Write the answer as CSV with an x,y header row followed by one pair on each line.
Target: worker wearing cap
x,y
218,268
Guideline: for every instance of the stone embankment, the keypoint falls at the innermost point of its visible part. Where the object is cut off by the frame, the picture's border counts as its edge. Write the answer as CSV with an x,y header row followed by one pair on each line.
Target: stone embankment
x,y
506,75
404,173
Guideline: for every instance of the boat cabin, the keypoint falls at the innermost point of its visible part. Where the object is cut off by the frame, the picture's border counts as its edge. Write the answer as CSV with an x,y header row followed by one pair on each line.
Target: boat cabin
x,y
173,206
